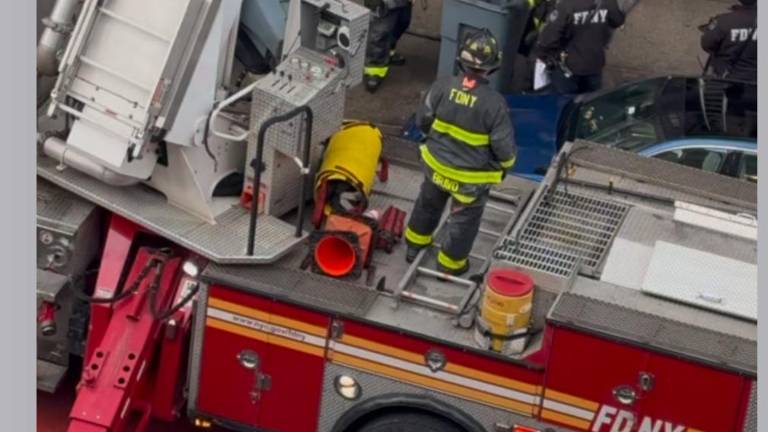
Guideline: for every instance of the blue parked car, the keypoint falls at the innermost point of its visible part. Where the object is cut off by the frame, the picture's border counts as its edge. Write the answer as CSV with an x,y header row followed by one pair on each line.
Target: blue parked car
x,y
699,122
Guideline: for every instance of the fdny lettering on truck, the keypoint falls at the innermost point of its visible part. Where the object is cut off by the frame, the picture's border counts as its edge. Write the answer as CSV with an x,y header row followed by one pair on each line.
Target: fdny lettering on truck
x,y
611,419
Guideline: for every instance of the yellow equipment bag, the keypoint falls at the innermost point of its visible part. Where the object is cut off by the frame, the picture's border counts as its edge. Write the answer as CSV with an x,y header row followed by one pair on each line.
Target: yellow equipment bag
x,y
351,157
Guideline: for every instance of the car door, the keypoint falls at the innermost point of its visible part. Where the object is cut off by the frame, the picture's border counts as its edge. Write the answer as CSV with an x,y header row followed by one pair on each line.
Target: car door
x,y
710,159
747,166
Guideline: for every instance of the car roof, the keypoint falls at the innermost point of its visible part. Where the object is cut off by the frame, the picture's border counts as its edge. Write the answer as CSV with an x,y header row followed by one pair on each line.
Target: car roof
x,y
729,142
586,97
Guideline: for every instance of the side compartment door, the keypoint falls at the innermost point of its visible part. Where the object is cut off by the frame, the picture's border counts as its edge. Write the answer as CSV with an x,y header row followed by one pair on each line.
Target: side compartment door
x,y
684,396
589,382
233,355
604,385
294,370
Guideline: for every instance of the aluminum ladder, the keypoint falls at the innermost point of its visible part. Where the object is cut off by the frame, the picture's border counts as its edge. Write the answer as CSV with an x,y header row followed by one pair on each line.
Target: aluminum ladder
x,y
498,205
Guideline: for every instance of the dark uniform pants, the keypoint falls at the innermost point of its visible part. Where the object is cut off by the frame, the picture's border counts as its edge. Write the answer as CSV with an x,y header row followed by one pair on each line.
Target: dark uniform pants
x,y
384,33
461,227
576,84
734,101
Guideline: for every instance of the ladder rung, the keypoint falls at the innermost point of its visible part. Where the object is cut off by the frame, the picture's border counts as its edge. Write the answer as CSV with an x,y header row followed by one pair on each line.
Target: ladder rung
x,y
490,233
448,307
499,209
437,274
114,73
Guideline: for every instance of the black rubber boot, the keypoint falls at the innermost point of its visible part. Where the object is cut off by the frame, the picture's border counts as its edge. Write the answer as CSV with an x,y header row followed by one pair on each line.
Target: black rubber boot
x,y
395,59
372,83
411,253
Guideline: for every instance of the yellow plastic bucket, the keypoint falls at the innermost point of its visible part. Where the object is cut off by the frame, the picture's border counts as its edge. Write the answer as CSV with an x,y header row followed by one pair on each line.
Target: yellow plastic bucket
x,y
506,305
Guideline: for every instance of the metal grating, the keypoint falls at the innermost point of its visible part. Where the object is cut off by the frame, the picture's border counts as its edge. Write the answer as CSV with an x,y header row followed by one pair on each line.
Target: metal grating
x,y
564,229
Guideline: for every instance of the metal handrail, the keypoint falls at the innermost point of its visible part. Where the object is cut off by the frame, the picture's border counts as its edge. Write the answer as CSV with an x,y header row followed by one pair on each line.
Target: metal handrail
x,y
225,103
304,166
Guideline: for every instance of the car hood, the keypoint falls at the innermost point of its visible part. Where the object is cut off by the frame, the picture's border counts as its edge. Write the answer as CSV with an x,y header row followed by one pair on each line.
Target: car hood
x,y
536,119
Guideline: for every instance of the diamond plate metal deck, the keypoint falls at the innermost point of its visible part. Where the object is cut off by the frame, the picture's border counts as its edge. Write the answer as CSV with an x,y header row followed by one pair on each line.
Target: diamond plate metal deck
x,y
224,242
60,208
295,286
654,332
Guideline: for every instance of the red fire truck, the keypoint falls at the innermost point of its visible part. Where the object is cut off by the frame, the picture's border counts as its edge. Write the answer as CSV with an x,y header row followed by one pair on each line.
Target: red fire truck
x,y
184,299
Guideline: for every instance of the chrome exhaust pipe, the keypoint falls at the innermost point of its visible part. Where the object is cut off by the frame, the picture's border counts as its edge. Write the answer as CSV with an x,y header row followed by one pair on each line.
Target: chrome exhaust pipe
x,y
66,155
57,26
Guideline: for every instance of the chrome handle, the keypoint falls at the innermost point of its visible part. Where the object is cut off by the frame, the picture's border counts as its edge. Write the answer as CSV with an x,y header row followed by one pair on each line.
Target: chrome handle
x,y
248,359
625,395
261,382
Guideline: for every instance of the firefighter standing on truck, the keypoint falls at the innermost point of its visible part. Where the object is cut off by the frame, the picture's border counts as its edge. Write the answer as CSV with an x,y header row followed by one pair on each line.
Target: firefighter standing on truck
x,y
389,21
469,146
573,42
731,41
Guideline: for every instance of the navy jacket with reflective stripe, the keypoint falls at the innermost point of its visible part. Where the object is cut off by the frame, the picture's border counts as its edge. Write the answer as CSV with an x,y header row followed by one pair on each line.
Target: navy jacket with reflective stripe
x,y
468,128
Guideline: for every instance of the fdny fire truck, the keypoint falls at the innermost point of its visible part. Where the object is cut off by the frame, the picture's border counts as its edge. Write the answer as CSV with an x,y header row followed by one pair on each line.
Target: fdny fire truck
x,y
231,253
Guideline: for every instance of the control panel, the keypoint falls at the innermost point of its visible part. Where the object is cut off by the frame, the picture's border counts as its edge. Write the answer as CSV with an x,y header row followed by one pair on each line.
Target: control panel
x,y
301,77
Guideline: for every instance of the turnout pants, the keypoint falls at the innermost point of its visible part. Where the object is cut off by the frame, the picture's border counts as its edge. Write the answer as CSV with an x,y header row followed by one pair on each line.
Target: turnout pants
x,y
462,225
386,29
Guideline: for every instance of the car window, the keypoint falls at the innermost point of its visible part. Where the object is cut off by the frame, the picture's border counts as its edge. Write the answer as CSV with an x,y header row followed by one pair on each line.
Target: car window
x,y
710,160
624,118
748,167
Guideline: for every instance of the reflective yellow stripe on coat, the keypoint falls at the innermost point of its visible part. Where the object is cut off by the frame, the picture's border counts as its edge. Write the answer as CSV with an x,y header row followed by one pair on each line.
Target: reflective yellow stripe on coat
x,y
463,135
464,176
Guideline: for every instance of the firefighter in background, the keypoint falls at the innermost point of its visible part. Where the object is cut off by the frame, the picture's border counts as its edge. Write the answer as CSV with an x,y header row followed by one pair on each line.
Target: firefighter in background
x,y
539,11
389,21
730,39
469,147
573,43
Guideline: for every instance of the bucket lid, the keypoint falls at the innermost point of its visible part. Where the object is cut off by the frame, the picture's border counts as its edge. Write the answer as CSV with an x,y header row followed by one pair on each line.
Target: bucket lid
x,y
510,283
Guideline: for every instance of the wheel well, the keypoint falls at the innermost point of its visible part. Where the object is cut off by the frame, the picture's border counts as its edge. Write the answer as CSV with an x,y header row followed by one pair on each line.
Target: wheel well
x,y
365,418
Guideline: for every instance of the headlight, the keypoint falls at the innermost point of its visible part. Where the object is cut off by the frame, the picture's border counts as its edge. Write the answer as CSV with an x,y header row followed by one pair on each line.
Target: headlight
x,y
347,387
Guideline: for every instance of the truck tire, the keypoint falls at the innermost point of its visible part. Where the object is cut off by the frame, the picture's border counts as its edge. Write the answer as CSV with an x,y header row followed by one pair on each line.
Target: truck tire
x,y
408,422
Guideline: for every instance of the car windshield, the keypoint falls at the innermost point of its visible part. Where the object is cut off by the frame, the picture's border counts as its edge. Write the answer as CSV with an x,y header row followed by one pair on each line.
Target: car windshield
x,y
624,118
636,116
